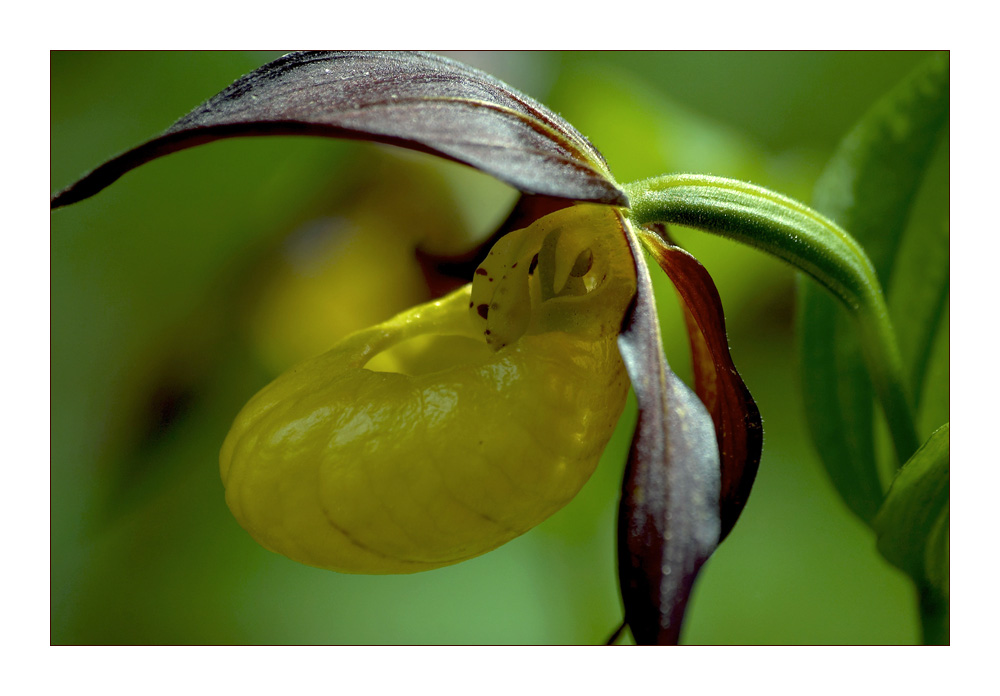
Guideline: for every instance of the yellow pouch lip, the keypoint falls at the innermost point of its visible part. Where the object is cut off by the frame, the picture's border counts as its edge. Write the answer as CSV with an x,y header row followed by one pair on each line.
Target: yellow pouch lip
x,y
284,501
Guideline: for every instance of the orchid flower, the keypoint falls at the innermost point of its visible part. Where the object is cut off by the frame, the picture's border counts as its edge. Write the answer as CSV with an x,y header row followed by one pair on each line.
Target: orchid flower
x,y
459,424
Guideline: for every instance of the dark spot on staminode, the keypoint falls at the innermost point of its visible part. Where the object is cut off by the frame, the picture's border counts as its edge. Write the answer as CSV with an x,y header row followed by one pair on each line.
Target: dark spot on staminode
x,y
480,271
515,265
534,264
483,310
470,303
487,332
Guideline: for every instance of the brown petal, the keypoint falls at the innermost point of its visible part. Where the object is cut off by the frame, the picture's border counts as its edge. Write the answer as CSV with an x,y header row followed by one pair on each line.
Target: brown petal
x,y
717,383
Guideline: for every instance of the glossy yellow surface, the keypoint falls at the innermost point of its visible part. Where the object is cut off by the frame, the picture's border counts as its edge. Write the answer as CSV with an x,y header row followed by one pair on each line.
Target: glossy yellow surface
x,y
453,427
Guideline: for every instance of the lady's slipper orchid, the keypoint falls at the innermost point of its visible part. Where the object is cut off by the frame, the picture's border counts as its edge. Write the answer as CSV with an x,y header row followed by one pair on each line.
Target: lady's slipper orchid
x,y
460,424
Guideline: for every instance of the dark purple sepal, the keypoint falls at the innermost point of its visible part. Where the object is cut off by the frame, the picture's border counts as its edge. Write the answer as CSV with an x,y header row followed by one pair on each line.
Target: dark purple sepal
x,y
668,517
414,100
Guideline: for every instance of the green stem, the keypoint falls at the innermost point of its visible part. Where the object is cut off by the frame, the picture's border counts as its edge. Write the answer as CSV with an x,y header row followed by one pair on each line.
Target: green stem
x,y
810,242
935,621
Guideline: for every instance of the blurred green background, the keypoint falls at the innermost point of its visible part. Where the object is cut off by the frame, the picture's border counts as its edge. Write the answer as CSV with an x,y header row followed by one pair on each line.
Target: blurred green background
x,y
186,286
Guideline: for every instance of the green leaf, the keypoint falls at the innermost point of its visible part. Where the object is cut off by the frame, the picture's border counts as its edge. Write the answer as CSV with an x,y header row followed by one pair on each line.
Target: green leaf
x,y
668,518
868,188
415,100
918,293
717,383
912,524
875,174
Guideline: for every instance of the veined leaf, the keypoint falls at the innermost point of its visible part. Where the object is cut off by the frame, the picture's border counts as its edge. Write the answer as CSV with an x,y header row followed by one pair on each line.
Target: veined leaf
x,y
918,294
414,100
716,381
668,518
868,188
875,174
912,524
